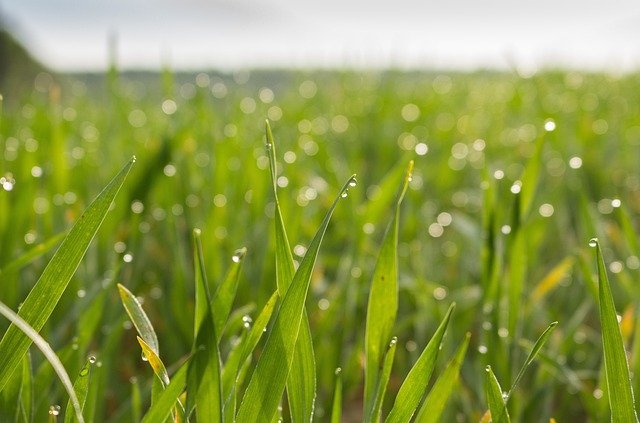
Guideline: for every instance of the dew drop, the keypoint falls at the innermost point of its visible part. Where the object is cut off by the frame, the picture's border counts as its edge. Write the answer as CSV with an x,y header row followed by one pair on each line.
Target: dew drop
x,y
144,357
487,369
54,410
338,371
345,193
92,359
84,371
238,255
133,159
353,182
593,242
394,340
268,146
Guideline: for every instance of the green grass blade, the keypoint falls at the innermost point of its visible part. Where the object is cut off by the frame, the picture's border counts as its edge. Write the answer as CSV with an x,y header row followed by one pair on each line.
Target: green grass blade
x,y
226,292
81,388
530,180
20,324
336,408
204,390
139,318
161,409
28,394
532,355
415,385
268,380
615,359
433,406
383,300
239,355
497,406
301,385
46,293
382,382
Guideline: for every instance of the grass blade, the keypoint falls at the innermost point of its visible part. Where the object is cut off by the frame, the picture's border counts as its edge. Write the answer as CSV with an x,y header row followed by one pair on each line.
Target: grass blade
x,y
414,386
532,355
433,406
32,254
336,408
268,380
615,359
81,388
226,292
161,409
497,405
301,385
383,301
154,361
139,319
383,381
46,293
20,324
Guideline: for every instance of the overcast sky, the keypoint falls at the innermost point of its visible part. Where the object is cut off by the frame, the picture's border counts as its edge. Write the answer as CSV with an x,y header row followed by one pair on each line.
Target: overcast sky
x,y
226,34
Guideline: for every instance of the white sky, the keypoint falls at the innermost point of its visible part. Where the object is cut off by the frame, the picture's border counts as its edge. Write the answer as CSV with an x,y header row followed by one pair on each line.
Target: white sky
x,y
225,34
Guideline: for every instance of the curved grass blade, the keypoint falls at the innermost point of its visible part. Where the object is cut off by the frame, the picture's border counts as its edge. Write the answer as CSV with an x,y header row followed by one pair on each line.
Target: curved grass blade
x,y
497,406
81,387
619,388
203,295
161,409
432,408
383,301
383,381
139,319
20,324
301,385
336,408
268,380
532,355
414,386
46,293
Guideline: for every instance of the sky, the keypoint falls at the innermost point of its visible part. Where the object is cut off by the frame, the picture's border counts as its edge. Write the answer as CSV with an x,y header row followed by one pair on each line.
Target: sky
x,y
73,35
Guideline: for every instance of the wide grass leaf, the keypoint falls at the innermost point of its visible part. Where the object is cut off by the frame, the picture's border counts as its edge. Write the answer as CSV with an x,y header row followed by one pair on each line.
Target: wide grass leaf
x,y
46,293
268,380
301,385
433,406
20,324
495,398
415,385
383,301
615,359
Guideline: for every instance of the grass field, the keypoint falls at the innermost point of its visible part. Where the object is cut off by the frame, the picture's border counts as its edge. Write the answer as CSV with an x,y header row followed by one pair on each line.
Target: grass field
x,y
510,179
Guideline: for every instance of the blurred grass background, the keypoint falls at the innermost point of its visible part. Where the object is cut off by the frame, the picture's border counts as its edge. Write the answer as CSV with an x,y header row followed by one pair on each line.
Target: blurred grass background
x,y
199,141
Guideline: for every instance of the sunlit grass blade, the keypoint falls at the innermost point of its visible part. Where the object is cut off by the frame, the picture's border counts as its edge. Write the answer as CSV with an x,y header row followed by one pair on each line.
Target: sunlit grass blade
x,y
155,362
81,388
336,408
619,388
139,319
32,254
415,385
497,405
383,301
382,382
20,324
46,293
552,279
301,385
202,292
161,409
433,406
268,380
532,355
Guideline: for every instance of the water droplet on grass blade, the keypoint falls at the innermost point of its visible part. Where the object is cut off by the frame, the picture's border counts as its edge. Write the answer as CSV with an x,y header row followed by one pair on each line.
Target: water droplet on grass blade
x,y
54,410
144,357
487,369
353,182
394,340
338,371
238,255
268,146
92,359
345,193
593,242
